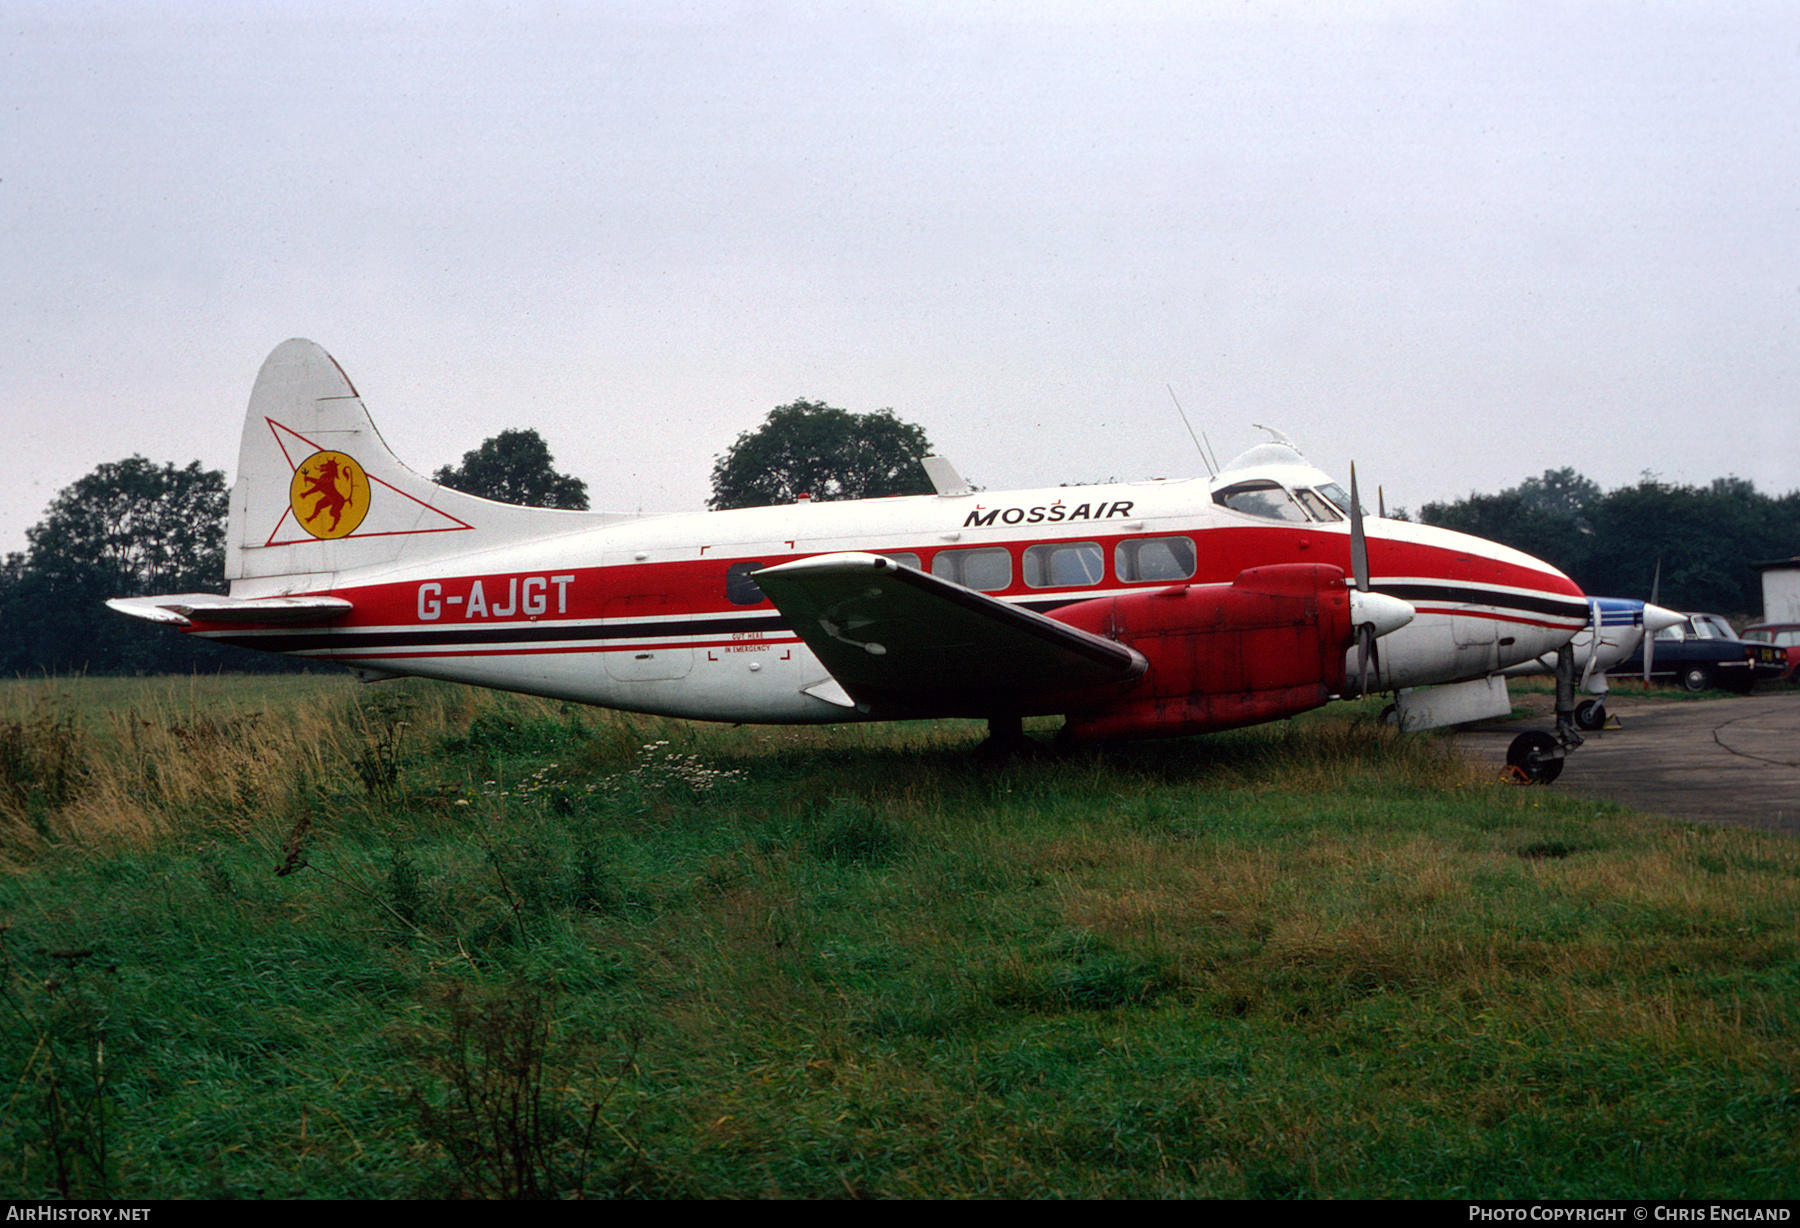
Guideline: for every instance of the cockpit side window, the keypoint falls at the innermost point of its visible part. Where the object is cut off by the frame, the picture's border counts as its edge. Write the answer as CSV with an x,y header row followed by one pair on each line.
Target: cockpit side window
x,y
1263,499
1337,496
1321,510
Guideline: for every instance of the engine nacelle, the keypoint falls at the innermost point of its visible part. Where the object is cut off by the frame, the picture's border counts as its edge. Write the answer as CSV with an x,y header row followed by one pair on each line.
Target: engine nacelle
x,y
1268,645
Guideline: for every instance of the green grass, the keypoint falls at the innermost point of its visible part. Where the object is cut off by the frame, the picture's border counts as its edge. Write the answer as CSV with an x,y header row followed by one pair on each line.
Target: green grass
x,y
412,940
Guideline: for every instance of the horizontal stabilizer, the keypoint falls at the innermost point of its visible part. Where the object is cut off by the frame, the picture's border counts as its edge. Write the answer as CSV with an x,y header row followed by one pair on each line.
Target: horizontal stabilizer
x,y
902,642
185,609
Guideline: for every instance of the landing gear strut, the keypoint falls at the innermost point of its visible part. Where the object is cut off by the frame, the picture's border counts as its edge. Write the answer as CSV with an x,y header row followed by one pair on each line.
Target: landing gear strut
x,y
1537,757
1006,740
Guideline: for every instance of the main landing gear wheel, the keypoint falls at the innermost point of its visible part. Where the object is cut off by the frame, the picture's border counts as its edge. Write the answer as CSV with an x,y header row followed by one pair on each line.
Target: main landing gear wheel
x,y
1533,755
1590,714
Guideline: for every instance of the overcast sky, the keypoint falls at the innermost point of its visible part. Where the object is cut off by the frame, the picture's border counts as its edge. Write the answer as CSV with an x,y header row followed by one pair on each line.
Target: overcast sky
x,y
1458,244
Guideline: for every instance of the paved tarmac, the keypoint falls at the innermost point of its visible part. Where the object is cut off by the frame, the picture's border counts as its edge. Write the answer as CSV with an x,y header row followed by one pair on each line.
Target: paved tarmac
x,y
1733,760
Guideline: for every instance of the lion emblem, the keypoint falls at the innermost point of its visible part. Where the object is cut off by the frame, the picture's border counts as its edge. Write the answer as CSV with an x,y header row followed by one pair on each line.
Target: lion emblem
x,y
329,495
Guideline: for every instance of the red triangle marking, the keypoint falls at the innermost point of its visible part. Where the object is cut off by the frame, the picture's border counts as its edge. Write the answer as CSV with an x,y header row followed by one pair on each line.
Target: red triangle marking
x,y
456,525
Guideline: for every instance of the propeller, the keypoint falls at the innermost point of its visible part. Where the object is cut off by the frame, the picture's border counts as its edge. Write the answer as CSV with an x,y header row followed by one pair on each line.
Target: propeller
x,y
1372,614
1365,652
1359,542
1650,639
1359,572
1593,655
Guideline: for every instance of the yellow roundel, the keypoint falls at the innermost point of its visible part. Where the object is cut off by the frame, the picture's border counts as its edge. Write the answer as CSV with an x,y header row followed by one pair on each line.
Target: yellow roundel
x,y
329,494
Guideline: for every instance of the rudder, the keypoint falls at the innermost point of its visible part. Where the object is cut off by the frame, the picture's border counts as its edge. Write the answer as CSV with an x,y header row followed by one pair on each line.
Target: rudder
x,y
319,493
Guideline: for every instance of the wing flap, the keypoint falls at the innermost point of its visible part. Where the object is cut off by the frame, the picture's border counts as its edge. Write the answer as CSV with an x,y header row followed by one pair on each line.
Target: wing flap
x,y
902,642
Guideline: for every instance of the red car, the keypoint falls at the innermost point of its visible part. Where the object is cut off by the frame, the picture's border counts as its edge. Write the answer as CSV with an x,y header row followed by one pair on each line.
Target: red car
x,y
1782,635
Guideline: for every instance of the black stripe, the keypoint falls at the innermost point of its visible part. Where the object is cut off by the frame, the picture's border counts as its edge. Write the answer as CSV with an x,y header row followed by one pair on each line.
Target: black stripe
x,y
505,633
1567,607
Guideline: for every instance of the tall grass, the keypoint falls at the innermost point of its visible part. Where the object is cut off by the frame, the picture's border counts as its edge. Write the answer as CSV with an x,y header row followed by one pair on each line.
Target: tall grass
x,y
411,940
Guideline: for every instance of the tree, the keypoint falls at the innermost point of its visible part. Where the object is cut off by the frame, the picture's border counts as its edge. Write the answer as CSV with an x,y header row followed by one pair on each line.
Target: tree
x,y
1541,516
128,529
515,467
1561,491
811,448
1701,540
144,528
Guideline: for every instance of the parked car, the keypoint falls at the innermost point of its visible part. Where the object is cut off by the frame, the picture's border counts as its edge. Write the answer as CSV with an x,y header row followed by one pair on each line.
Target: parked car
x,y
1782,635
1702,652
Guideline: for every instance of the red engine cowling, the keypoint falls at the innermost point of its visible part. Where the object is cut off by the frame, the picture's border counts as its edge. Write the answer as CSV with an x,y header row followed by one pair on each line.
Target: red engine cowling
x,y
1268,645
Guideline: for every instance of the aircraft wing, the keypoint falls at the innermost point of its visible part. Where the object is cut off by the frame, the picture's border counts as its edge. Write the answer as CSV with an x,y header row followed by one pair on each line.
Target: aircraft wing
x,y
902,642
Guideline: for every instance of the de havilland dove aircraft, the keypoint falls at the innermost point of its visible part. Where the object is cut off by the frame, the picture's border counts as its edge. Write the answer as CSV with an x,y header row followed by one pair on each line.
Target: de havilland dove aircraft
x,y
1150,608
1616,626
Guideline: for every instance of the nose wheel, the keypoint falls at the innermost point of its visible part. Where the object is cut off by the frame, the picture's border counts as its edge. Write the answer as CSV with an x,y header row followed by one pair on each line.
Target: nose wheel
x,y
1590,714
1535,758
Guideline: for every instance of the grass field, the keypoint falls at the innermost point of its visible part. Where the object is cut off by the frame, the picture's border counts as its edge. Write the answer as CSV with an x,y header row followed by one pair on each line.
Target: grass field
x,y
292,937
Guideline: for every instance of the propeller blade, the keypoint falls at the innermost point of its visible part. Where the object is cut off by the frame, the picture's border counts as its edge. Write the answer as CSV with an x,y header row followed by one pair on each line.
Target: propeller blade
x,y
1649,638
1593,650
1366,630
1381,502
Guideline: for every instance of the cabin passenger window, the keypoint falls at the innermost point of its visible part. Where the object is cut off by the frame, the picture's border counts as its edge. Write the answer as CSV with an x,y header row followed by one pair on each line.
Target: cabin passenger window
x,y
1155,558
905,558
988,569
1064,564
740,589
1264,499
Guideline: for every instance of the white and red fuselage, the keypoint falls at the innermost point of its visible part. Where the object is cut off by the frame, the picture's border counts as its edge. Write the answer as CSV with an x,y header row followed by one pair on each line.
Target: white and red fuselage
x,y
659,615
665,614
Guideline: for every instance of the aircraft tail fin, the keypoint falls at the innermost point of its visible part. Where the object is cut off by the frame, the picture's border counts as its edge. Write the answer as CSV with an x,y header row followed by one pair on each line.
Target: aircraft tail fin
x,y
319,493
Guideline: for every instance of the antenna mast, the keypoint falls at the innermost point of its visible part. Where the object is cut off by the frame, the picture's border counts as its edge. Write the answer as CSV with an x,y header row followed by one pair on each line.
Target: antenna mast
x,y
1211,472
